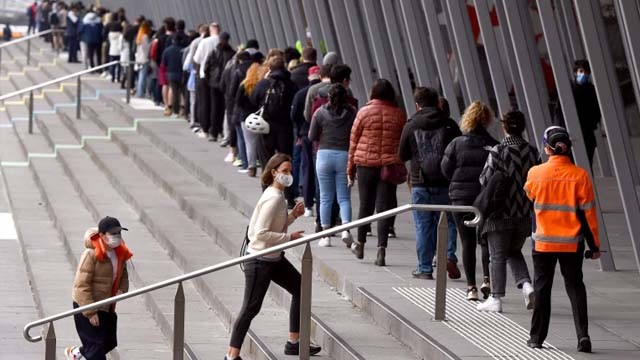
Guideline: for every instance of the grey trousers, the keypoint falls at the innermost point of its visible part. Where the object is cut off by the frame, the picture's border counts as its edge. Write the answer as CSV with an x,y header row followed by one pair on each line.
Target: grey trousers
x,y
506,247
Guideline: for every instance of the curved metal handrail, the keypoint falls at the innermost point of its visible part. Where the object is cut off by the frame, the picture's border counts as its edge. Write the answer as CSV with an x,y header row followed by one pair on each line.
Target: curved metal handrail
x,y
229,263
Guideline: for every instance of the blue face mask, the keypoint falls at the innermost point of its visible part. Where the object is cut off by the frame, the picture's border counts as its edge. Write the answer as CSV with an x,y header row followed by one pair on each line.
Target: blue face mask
x,y
582,78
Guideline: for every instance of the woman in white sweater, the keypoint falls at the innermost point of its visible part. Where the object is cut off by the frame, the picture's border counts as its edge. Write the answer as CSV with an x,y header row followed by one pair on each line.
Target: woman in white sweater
x,y
267,228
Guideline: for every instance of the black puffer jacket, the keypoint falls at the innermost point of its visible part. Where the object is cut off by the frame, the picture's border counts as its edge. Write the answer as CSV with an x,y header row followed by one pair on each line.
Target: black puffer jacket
x,y
425,119
463,162
282,115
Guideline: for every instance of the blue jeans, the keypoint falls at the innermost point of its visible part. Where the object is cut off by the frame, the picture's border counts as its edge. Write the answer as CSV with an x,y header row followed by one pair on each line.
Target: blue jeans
x,y
242,149
331,167
427,226
142,80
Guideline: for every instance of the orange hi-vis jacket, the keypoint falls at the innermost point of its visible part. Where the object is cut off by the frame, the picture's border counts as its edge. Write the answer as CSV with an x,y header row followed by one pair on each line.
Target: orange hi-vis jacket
x,y
560,191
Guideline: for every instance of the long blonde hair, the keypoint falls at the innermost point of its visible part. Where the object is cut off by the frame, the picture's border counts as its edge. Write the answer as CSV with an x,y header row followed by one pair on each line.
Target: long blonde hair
x,y
477,114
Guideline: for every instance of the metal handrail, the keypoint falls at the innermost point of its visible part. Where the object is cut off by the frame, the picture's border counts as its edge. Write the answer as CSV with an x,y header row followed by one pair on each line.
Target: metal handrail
x,y
229,263
58,80
28,37
78,76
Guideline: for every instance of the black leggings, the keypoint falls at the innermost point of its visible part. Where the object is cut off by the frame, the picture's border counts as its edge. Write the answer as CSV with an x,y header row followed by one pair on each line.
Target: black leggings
x,y
258,275
375,195
469,238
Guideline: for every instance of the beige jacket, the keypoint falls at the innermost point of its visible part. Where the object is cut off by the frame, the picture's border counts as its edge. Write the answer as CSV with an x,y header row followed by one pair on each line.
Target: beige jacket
x,y
94,278
269,222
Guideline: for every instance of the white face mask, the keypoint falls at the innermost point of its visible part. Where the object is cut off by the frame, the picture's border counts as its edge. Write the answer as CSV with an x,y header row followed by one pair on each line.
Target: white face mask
x,y
284,179
113,241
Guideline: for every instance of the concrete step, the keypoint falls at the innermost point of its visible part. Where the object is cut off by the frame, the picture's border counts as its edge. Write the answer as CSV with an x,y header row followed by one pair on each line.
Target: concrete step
x,y
204,333
183,240
69,230
17,306
197,200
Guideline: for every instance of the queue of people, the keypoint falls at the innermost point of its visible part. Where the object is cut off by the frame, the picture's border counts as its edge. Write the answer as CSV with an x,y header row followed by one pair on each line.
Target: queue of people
x,y
296,118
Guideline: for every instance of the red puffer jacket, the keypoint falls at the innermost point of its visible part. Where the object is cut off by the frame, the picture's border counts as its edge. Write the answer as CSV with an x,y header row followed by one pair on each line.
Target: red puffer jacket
x,y
375,136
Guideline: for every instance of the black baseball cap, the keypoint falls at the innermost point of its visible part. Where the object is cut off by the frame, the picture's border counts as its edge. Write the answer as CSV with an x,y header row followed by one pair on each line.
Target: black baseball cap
x,y
111,225
558,139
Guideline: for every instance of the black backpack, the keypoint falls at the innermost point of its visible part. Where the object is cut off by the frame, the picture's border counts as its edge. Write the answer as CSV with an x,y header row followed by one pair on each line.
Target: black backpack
x,y
53,19
431,145
274,100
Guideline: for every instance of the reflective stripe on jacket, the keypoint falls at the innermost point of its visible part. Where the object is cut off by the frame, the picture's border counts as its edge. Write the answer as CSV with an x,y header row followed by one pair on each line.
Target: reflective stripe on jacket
x,y
561,191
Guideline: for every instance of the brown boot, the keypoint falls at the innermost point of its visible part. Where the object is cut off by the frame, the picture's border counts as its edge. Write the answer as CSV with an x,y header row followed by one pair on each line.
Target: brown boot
x,y
252,172
380,258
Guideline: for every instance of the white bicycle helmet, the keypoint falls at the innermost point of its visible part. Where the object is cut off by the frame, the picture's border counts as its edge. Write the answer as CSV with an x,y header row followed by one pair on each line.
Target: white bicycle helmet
x,y
256,123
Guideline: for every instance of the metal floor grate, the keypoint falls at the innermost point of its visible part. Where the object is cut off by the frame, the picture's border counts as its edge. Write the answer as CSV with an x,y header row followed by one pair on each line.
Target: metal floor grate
x,y
494,333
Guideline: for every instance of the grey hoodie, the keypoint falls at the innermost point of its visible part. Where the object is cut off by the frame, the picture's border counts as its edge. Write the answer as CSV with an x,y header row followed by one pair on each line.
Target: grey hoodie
x,y
332,129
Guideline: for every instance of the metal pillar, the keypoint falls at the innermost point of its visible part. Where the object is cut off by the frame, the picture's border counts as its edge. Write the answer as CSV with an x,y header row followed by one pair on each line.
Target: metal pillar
x,y
297,15
258,26
363,53
424,73
347,46
311,14
305,302
50,343
401,68
537,106
178,324
466,51
441,269
440,54
78,97
287,24
493,56
31,112
545,10
328,33
252,32
629,22
266,23
276,24
575,43
609,97
243,35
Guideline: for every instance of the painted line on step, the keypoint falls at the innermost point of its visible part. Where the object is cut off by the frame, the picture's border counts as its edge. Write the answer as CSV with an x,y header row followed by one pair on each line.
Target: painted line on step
x,y
25,99
507,339
84,139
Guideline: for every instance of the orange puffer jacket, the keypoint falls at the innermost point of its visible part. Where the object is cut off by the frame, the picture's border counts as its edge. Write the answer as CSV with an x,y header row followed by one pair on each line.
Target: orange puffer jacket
x,y
375,136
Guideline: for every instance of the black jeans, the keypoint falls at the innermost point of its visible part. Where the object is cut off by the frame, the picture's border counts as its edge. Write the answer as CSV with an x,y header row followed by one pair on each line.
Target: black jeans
x,y
217,112
97,341
176,91
94,50
203,99
469,238
258,275
74,47
544,265
375,195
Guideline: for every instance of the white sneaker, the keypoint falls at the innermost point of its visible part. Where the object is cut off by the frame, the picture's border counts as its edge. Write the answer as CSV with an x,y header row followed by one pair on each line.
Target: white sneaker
x,y
529,296
492,304
202,135
325,242
243,171
347,239
73,353
308,212
229,158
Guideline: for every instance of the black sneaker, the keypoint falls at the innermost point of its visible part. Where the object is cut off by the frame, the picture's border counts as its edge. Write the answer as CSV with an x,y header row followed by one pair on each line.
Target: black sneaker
x,y
294,349
392,233
422,275
584,345
534,345
236,358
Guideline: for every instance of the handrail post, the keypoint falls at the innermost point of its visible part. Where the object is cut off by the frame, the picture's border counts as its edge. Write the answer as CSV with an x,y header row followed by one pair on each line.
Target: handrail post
x,y
0,60
305,303
28,51
129,79
50,343
31,112
441,269
78,96
178,324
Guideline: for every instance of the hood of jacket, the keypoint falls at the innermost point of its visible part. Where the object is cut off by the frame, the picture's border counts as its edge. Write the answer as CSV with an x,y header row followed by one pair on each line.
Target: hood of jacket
x,y
338,118
91,19
428,118
92,241
280,75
